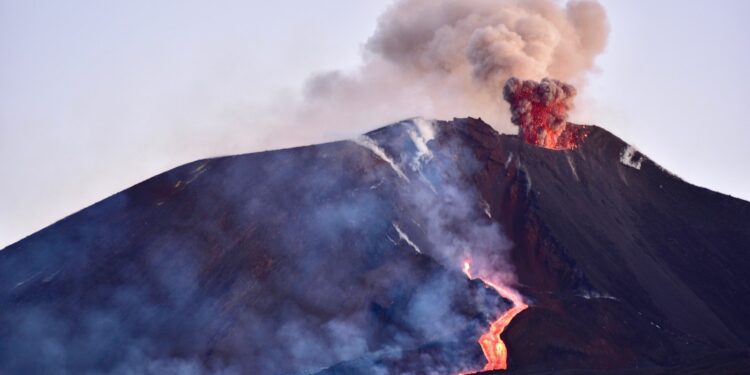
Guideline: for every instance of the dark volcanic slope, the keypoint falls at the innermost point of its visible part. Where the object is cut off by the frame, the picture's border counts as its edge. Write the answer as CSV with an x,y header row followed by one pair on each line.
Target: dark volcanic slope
x,y
328,258
629,266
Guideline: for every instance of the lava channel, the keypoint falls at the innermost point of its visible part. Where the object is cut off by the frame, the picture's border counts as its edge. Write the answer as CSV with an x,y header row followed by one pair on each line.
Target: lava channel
x,y
492,344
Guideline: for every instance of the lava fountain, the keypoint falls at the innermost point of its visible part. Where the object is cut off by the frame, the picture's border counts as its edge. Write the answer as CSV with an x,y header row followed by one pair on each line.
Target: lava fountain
x,y
540,109
492,344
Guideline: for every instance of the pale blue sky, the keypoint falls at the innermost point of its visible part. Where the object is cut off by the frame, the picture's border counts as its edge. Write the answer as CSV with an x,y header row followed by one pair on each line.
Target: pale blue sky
x,y
96,96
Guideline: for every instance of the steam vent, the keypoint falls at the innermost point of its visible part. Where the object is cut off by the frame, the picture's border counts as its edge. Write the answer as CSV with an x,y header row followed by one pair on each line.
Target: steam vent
x,y
423,247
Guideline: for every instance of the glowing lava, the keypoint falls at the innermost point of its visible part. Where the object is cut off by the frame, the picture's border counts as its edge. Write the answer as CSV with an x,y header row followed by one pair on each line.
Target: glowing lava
x,y
540,109
492,344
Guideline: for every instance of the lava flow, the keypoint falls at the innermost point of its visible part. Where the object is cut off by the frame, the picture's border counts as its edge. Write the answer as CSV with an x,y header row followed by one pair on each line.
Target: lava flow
x,y
492,344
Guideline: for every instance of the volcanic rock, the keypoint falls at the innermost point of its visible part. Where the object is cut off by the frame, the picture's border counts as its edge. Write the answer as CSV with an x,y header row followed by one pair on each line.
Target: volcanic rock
x,y
320,259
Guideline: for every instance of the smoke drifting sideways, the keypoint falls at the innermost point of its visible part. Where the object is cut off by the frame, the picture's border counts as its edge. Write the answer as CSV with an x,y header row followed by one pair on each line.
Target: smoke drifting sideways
x,y
297,261
448,58
540,109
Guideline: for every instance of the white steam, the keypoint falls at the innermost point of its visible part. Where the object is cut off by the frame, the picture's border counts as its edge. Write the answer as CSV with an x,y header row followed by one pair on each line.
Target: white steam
x,y
371,145
404,237
454,217
420,135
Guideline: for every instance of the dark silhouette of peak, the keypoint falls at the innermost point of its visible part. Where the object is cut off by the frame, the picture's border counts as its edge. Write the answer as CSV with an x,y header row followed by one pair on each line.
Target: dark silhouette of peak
x,y
344,258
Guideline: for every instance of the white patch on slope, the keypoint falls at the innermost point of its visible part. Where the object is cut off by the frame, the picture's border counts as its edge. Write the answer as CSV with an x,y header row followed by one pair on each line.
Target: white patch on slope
x,y
572,167
528,181
27,280
391,239
51,276
370,144
422,132
596,295
377,185
427,182
520,167
404,237
196,172
415,223
486,207
628,157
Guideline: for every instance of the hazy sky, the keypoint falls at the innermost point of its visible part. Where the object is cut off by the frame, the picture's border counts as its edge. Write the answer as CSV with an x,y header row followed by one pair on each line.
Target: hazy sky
x,y
96,97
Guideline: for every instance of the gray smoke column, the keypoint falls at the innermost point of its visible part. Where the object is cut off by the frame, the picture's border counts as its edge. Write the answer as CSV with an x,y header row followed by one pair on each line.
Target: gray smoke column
x,y
450,58
540,109
484,42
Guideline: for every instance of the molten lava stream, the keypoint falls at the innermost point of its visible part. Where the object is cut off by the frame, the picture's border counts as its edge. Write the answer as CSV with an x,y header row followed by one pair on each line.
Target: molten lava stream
x,y
492,345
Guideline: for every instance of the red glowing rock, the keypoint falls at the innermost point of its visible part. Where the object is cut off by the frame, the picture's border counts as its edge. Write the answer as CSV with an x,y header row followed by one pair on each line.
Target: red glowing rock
x,y
540,109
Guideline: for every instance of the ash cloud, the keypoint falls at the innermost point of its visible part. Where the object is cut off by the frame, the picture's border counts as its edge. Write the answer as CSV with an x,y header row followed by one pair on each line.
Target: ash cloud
x,y
446,58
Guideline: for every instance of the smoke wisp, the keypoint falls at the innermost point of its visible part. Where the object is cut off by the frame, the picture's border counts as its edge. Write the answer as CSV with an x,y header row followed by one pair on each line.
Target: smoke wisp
x,y
297,261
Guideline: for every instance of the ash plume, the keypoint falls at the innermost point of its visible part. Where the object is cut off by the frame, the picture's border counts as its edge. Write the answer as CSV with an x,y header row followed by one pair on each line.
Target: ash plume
x,y
450,58
540,109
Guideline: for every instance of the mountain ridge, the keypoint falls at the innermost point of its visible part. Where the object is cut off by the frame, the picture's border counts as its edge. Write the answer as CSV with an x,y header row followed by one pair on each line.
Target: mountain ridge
x,y
215,243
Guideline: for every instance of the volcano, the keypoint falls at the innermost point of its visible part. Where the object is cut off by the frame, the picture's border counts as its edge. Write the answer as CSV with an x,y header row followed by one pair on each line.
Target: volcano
x,y
349,258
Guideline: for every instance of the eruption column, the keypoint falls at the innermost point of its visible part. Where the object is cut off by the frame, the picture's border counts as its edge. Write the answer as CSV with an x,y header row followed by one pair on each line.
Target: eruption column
x,y
540,109
492,344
